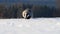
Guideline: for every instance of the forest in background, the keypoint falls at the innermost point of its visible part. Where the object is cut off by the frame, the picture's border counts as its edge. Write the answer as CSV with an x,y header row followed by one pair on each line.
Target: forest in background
x,y
15,10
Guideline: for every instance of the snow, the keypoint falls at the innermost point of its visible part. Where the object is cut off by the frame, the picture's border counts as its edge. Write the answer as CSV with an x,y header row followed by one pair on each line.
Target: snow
x,y
30,26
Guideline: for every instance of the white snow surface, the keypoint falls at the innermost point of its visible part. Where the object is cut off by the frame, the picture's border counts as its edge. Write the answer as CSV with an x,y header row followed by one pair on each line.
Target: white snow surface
x,y
30,26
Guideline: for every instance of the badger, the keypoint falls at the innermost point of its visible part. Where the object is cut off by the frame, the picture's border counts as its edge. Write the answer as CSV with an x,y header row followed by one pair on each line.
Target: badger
x,y
26,14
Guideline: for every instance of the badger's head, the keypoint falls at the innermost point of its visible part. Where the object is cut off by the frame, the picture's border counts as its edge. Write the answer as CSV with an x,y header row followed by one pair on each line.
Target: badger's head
x,y
26,14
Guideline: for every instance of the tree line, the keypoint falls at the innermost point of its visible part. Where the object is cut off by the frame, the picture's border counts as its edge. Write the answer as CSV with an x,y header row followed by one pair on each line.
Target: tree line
x,y
15,10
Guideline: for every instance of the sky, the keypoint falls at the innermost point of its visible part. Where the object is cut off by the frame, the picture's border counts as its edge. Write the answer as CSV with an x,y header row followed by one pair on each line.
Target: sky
x,y
16,1
43,2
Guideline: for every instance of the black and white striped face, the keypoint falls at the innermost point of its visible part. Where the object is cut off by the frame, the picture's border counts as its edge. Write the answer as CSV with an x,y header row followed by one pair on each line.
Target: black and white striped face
x,y
26,14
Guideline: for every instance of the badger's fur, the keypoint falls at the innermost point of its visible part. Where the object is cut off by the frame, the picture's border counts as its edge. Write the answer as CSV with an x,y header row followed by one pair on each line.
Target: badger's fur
x,y
26,14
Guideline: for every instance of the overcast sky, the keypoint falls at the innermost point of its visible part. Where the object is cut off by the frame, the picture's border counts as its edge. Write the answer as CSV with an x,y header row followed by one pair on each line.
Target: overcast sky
x,y
26,0
47,2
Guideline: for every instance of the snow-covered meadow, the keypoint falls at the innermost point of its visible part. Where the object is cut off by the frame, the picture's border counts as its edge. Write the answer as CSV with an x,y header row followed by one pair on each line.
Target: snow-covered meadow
x,y
30,26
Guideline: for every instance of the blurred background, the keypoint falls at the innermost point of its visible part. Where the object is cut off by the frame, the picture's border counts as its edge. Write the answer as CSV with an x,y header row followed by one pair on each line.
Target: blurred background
x,y
40,8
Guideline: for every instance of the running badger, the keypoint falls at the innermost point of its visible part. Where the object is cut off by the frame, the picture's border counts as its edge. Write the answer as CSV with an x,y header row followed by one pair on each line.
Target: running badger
x,y
26,14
